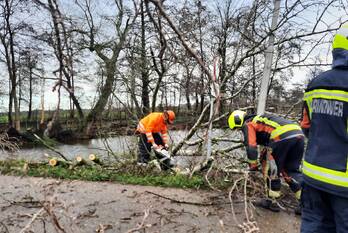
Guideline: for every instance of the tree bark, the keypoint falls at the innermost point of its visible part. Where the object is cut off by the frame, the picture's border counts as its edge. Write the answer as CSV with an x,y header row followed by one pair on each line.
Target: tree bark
x,y
8,44
105,92
187,88
144,72
30,91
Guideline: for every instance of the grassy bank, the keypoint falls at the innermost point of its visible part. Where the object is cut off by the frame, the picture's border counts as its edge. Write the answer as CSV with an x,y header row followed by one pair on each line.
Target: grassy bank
x,y
126,173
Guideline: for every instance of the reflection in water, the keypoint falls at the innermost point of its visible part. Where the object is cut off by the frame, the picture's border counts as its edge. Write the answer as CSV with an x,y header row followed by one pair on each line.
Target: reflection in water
x,y
118,144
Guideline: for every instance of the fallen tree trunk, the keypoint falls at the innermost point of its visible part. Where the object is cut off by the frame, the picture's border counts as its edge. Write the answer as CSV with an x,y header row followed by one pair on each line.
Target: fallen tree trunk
x,y
50,147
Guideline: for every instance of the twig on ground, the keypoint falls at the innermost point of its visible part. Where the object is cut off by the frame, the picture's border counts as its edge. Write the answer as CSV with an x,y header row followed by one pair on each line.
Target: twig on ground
x,y
222,227
25,204
207,179
180,201
235,183
4,228
102,228
35,216
142,224
248,226
49,208
246,176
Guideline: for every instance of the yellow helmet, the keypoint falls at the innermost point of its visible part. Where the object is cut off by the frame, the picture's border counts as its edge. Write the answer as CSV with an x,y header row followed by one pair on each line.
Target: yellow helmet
x,y
236,119
340,40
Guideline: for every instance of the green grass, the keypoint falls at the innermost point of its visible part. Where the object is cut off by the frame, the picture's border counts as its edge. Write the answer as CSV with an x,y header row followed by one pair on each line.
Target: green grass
x,y
125,174
3,119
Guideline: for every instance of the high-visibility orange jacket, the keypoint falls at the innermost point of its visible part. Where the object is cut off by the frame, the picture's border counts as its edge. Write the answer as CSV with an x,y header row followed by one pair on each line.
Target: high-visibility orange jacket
x,y
153,123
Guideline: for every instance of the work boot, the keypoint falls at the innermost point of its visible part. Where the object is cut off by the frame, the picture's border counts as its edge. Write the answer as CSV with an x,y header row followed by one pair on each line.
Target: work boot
x,y
142,164
298,209
268,204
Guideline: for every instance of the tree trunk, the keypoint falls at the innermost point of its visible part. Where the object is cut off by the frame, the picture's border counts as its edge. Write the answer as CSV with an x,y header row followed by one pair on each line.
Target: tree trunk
x,y
19,85
105,92
30,93
10,103
17,113
202,54
12,64
197,98
42,115
254,81
159,68
144,73
202,94
223,69
188,89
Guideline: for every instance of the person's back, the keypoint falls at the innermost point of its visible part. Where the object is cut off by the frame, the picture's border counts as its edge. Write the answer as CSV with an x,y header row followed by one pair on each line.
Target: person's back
x,y
271,128
325,167
327,101
153,122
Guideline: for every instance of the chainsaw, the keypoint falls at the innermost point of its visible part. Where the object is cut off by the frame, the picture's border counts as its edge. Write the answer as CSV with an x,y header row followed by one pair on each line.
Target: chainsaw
x,y
163,157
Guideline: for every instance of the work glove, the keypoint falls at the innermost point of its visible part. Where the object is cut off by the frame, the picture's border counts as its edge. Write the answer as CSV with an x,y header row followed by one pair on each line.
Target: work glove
x,y
253,166
273,170
298,194
155,146
263,154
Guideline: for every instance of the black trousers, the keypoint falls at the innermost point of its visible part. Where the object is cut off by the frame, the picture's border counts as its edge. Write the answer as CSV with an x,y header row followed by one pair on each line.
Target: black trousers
x,y
145,146
323,212
288,156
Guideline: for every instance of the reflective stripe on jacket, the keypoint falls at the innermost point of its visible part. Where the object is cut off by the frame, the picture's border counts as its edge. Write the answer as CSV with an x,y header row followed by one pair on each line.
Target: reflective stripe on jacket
x,y
325,118
153,123
265,129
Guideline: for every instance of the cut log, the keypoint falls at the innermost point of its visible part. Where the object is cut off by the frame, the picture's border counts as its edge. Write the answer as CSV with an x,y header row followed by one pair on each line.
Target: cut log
x,y
80,160
94,159
53,162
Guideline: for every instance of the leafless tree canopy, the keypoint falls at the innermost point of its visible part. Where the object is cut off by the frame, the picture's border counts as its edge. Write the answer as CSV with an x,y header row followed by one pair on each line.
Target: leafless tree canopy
x,y
93,56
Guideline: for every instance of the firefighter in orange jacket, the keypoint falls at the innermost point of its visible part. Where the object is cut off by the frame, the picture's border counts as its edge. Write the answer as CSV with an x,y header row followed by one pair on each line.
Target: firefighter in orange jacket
x,y
153,133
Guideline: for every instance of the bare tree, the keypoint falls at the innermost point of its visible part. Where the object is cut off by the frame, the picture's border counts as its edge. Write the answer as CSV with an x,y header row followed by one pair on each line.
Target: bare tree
x,y
108,51
62,44
7,34
251,27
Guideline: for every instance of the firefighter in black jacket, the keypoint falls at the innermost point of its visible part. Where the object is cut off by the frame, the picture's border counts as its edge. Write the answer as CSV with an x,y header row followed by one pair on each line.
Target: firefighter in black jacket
x,y
325,168
285,142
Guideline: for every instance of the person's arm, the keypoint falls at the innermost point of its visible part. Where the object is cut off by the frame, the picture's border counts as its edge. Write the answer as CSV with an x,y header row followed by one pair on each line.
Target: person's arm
x,y
250,143
165,137
305,121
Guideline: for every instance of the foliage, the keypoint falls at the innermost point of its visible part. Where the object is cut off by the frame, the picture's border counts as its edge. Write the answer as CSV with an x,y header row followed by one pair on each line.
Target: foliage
x,y
3,119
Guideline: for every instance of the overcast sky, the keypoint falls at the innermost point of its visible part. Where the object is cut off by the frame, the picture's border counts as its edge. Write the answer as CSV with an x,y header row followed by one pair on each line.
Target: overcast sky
x,y
89,86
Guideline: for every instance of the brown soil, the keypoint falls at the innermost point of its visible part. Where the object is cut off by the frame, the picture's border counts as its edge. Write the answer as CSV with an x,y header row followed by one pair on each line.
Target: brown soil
x,y
77,206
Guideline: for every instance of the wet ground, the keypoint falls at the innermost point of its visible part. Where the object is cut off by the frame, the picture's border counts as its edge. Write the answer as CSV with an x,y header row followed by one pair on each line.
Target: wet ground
x,y
46,205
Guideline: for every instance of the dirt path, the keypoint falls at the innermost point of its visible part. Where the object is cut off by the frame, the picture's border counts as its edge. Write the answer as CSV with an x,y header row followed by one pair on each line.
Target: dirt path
x,y
77,206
